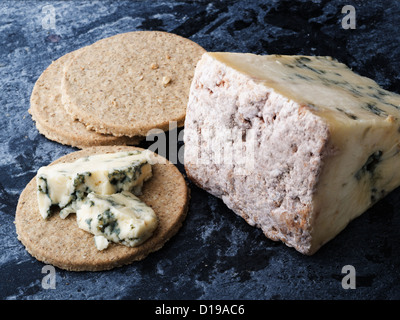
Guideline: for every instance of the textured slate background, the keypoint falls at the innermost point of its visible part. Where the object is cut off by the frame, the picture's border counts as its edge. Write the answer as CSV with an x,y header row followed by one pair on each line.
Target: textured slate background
x,y
216,255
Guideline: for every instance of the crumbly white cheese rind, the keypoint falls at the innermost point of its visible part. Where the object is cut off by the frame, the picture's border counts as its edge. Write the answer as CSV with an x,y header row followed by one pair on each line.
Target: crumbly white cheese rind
x,y
120,218
319,144
67,184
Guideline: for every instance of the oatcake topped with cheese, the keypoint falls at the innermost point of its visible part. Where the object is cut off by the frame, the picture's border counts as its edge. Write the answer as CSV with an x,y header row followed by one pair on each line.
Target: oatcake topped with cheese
x,y
131,83
67,244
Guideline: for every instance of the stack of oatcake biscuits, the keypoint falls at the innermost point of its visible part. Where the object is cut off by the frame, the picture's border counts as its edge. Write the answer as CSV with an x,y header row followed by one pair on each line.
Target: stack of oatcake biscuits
x,y
115,90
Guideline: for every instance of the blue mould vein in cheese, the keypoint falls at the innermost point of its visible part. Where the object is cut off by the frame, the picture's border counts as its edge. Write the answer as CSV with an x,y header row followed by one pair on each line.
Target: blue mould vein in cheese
x,y
323,141
120,218
66,185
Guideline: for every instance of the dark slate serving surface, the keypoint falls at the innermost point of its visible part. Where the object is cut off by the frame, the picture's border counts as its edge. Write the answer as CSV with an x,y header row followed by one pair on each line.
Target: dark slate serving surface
x,y
215,255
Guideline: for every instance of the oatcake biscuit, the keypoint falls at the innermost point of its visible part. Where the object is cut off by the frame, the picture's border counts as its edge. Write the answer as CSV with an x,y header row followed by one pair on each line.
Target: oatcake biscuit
x,y
53,121
130,83
63,244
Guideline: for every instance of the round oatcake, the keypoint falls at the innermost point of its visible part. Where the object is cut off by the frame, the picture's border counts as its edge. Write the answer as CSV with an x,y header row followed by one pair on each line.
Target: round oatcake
x,y
62,243
54,122
132,82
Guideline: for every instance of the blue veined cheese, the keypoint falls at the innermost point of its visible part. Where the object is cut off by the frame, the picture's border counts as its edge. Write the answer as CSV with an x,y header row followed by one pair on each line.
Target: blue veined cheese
x,y
67,184
121,218
322,143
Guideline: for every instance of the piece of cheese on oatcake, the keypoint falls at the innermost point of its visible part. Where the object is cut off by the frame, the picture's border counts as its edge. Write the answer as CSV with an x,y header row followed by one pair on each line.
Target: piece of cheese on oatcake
x,y
297,145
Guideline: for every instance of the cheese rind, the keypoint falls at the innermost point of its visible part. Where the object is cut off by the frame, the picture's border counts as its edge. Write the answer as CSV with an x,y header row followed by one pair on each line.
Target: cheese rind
x,y
120,218
67,184
317,144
